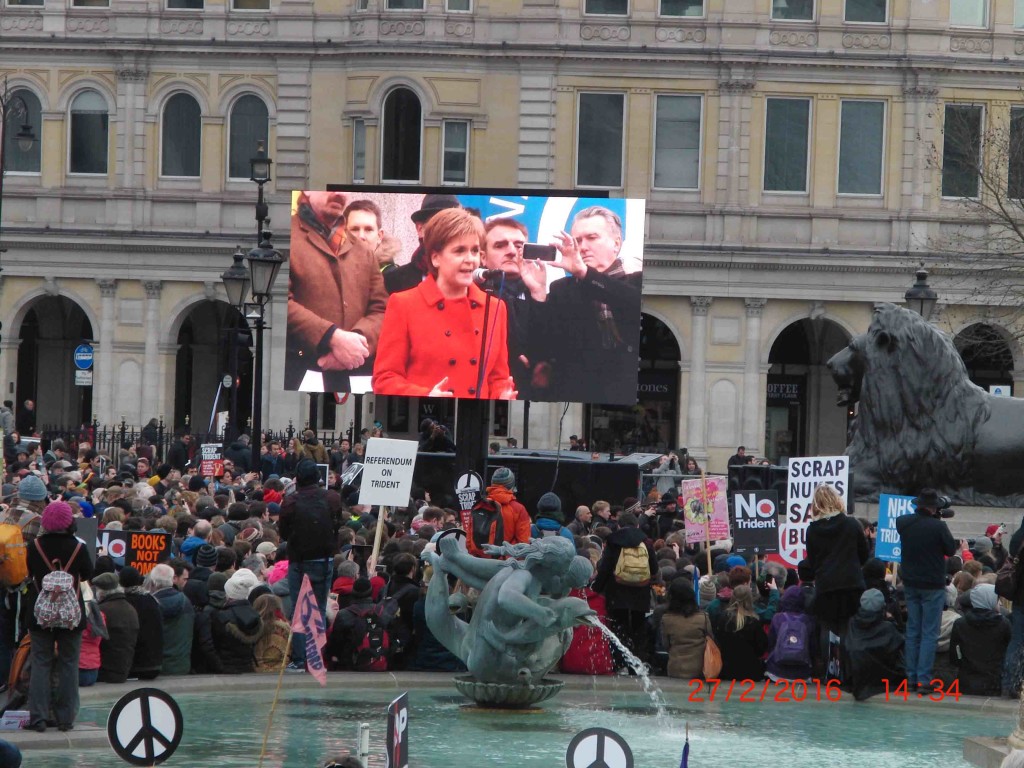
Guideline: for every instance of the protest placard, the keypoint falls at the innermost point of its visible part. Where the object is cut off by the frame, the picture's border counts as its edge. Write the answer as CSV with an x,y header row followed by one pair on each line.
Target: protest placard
x,y
387,471
699,513
211,460
755,522
805,475
140,549
887,540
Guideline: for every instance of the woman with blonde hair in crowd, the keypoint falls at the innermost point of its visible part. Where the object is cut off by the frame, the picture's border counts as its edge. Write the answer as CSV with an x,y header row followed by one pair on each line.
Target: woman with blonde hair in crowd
x,y
836,552
740,637
271,649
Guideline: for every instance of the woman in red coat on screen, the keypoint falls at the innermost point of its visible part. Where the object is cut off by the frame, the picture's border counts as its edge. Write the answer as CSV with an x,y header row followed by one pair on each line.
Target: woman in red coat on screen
x,y
430,342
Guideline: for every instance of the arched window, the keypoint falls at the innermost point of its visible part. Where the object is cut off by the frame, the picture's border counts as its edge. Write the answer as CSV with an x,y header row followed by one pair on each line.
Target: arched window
x,y
181,136
89,140
249,125
401,137
24,110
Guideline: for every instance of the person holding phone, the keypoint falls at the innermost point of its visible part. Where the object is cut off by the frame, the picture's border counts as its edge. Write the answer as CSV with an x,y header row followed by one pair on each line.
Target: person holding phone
x,y
430,342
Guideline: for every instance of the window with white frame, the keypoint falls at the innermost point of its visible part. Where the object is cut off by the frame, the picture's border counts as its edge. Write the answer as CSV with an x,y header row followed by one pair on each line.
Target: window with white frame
x,y
185,5
458,6
405,5
599,139
607,7
968,13
1015,159
250,5
456,152
787,127
249,125
359,150
401,136
961,150
181,137
89,134
1018,14
861,147
677,142
682,7
866,11
24,2
90,3
793,10
23,110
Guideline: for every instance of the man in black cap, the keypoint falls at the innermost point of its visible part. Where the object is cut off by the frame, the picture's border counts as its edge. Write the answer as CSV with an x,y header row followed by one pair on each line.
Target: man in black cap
x,y
309,523
926,543
410,275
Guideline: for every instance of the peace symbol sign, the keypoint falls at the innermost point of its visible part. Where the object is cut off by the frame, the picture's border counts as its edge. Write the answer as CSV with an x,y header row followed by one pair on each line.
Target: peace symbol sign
x,y
145,726
598,748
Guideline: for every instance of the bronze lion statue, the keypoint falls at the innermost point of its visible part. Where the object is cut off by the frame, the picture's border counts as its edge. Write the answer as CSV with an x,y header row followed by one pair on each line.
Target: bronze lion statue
x,y
921,422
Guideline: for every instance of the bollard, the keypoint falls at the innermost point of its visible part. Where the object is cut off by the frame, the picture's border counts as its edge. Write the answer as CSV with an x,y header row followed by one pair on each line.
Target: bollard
x,y
364,744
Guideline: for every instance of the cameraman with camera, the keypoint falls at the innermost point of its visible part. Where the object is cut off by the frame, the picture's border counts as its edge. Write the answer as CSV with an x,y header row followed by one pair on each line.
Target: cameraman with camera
x,y
659,520
926,543
434,438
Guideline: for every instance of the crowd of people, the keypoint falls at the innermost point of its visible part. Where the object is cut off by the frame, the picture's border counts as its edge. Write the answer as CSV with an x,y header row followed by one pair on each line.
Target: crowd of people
x,y
240,548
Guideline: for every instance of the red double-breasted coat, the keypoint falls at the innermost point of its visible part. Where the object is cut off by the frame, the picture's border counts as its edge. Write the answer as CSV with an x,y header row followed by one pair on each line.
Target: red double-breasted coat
x,y
426,337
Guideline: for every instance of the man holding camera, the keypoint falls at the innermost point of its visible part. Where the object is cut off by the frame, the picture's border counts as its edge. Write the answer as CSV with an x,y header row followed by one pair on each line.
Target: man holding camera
x,y
434,438
926,543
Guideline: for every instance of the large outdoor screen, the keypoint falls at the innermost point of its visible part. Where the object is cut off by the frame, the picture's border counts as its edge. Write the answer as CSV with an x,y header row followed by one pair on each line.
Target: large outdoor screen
x,y
469,295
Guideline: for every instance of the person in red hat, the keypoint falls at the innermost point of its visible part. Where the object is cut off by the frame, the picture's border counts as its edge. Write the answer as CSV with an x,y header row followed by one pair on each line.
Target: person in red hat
x,y
995,533
56,548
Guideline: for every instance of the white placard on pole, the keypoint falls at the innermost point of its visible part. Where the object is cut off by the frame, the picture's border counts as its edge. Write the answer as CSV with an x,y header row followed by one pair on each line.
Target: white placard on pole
x,y
387,471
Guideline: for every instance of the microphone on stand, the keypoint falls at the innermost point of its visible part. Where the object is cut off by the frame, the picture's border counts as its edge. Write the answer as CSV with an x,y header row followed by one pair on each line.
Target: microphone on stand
x,y
484,276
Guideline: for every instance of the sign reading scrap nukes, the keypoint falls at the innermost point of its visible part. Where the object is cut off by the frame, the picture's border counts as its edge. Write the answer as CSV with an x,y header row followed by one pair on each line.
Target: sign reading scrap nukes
x,y
387,471
755,522
211,460
140,549
805,475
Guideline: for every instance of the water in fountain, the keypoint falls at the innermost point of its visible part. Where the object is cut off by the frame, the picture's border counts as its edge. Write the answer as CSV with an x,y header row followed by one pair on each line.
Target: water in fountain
x,y
651,688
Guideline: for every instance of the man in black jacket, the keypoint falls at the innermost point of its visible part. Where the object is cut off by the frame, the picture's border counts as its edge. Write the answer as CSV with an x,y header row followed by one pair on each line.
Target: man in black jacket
x,y
627,595
309,523
177,454
926,542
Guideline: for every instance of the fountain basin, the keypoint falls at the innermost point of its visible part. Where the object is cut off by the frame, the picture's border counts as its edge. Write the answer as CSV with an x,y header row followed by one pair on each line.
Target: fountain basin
x,y
507,696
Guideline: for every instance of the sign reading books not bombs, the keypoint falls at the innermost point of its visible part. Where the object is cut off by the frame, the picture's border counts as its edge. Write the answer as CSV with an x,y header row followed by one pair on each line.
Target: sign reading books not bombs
x,y
140,549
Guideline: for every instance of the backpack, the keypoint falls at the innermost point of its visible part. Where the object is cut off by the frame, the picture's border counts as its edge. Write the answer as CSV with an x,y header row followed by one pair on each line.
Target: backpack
x,y
792,645
57,605
633,568
371,640
485,514
14,551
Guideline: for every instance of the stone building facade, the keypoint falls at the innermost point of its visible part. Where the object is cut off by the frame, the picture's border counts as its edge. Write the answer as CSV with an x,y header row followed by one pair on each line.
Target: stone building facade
x,y
793,154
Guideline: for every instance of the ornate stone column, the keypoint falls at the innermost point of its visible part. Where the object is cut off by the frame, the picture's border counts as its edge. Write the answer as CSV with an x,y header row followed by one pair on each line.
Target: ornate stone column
x,y
151,375
103,402
753,426
699,306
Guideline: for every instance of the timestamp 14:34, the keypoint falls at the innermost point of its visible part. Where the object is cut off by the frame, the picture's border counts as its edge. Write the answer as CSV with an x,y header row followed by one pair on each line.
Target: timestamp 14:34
x,y
936,690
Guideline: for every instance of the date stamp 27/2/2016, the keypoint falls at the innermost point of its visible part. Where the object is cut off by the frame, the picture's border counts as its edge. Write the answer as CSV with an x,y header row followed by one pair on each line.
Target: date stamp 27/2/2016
x,y
756,691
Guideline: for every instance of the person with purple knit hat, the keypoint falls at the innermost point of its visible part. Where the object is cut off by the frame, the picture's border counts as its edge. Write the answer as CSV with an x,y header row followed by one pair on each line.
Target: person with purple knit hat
x,y
56,548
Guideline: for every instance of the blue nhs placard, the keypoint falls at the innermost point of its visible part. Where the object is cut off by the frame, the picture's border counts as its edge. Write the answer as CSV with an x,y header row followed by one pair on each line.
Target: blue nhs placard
x,y
887,540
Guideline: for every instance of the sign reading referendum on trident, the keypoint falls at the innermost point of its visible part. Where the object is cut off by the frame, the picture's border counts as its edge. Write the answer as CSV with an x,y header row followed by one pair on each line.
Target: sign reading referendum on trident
x,y
387,471
887,543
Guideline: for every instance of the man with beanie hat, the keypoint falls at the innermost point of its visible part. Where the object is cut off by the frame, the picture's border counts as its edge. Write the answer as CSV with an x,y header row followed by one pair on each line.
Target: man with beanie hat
x,y
978,642
57,543
707,588
122,621
309,523
995,534
236,626
149,648
549,518
197,587
498,518
874,647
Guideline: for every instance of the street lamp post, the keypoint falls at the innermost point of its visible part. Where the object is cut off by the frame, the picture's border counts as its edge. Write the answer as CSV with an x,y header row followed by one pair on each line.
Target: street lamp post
x,y
11,105
920,297
265,262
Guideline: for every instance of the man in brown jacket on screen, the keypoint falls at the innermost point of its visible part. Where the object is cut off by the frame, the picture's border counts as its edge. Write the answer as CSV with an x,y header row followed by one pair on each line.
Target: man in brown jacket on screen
x,y
336,297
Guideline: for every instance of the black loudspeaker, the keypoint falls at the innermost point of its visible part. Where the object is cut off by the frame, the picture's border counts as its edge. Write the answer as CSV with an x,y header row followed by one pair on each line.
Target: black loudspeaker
x,y
759,477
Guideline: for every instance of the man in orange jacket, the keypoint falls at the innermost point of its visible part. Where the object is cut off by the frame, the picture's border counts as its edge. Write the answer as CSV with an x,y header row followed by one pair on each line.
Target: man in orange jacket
x,y
512,525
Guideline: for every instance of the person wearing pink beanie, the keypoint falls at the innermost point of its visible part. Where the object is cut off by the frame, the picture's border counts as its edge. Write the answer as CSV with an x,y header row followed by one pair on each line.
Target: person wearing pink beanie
x,y
56,545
